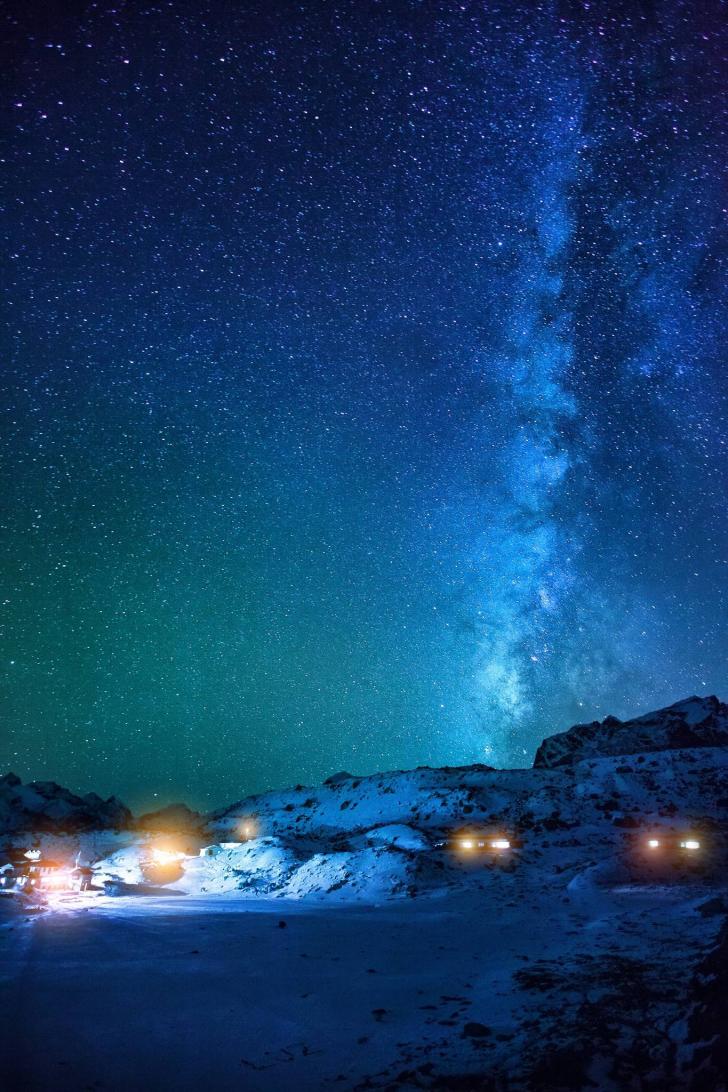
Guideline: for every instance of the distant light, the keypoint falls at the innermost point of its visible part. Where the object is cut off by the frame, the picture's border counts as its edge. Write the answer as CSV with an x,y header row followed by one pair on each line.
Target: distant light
x,y
500,843
690,843
32,854
654,843
466,843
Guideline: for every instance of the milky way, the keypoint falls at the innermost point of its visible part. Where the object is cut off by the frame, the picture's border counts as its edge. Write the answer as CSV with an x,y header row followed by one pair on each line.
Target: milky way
x,y
363,385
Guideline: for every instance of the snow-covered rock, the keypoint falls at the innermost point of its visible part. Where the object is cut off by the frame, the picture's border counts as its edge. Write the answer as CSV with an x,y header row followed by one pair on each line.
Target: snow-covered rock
x,y
694,722
46,806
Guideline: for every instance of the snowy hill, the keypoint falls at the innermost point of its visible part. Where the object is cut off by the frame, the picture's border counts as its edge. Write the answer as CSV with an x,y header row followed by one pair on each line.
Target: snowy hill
x,y
45,806
374,837
591,793
329,839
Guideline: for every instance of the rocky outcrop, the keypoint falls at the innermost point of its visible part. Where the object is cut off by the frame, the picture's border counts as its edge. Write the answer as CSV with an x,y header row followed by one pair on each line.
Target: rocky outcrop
x,y
175,817
707,1028
339,778
46,806
694,722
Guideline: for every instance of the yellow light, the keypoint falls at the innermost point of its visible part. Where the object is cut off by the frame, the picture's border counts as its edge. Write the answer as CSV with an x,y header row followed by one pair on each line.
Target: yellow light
x,y
653,843
690,843
500,843
466,843
165,856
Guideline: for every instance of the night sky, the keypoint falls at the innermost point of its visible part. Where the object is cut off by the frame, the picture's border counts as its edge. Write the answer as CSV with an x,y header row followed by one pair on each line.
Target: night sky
x,y
363,383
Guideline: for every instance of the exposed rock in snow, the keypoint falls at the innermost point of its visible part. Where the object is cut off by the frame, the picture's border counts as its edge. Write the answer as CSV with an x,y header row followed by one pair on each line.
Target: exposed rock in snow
x,y
694,722
337,778
45,806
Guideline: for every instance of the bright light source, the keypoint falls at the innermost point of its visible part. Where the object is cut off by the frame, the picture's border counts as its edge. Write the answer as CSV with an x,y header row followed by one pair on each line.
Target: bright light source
x,y
466,843
166,856
60,878
690,843
654,843
32,854
500,843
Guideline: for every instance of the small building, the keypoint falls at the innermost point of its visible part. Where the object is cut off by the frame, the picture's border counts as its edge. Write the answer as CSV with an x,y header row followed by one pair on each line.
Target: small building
x,y
218,847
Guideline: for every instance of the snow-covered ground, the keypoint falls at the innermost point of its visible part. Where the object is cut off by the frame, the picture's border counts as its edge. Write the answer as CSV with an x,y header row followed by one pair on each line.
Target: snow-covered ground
x,y
494,978
326,939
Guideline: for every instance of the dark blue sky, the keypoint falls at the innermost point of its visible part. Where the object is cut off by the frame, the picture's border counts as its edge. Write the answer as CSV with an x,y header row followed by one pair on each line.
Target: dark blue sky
x,y
363,383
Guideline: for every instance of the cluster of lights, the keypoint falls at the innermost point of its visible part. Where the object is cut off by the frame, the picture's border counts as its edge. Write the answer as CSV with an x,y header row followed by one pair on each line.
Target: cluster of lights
x,y
497,843
62,878
686,843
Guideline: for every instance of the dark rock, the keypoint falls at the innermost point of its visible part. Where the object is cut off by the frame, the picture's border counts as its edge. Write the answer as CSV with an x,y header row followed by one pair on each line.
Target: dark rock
x,y
338,778
706,1065
175,817
711,907
474,1030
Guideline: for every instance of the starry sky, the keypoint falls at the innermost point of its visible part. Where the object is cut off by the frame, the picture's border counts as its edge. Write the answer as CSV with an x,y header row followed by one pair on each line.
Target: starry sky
x,y
363,383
